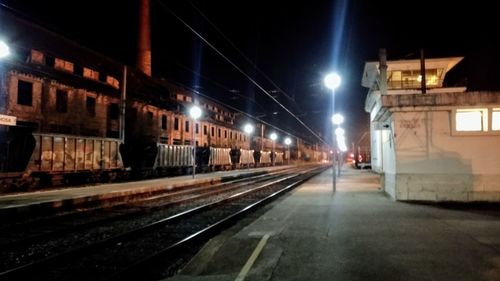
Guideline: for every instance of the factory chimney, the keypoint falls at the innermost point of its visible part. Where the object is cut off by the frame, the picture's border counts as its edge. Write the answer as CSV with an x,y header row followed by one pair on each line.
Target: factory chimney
x,y
144,42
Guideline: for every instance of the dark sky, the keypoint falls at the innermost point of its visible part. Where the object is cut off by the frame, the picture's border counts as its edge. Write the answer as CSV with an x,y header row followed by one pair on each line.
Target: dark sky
x,y
286,47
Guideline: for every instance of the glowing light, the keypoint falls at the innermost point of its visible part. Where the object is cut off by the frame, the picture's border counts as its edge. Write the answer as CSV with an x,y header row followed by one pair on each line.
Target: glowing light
x,y
495,119
195,112
471,120
274,136
332,81
337,119
4,49
288,141
248,128
339,132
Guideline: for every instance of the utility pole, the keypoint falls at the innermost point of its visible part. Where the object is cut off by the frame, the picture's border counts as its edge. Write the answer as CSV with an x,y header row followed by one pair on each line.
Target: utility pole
x,y
123,104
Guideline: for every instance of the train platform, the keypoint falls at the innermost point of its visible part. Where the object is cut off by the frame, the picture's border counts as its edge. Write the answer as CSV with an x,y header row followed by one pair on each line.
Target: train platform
x,y
358,233
70,198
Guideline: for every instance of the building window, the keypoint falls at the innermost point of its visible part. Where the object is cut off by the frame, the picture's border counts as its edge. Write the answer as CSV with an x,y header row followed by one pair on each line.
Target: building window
x,y
61,101
218,131
495,119
149,118
205,130
102,77
78,70
164,122
176,124
471,120
50,61
213,132
24,93
91,106
225,134
114,111
197,129
186,126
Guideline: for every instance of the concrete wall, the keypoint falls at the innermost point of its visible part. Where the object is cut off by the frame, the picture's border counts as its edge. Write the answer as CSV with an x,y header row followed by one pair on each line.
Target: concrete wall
x,y
376,147
432,164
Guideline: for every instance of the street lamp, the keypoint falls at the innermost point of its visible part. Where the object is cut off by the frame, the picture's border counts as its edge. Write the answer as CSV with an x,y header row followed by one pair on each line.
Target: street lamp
x,y
248,128
195,113
274,136
337,119
332,82
4,49
288,141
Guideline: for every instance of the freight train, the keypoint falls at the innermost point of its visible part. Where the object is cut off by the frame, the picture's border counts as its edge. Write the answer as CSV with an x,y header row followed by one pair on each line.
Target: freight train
x,y
69,115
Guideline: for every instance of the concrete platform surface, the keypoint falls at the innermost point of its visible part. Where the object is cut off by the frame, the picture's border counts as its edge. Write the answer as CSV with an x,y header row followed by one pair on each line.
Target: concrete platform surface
x,y
68,198
357,234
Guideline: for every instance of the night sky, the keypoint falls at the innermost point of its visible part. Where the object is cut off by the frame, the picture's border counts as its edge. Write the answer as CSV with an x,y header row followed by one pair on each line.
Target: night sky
x,y
286,47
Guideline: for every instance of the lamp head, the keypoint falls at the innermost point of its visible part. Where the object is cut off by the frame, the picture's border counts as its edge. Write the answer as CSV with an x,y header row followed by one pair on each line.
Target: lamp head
x,y
337,119
248,128
274,136
332,81
195,112
4,49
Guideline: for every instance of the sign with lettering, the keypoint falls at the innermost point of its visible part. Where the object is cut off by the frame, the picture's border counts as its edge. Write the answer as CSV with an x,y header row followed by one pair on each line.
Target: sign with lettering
x,y
7,120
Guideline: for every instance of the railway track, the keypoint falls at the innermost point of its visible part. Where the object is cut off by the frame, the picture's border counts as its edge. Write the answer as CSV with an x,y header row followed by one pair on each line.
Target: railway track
x,y
189,216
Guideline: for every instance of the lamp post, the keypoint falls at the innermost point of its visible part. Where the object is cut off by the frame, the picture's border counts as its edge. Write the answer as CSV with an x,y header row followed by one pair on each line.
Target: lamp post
x,y
288,141
339,133
274,136
332,81
195,113
248,130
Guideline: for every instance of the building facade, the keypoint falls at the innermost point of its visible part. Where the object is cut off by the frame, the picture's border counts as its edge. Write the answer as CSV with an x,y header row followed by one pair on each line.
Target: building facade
x,y
435,143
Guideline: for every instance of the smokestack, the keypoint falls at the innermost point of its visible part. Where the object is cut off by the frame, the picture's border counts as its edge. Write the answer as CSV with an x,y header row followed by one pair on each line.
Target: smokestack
x,y
422,72
144,44
383,71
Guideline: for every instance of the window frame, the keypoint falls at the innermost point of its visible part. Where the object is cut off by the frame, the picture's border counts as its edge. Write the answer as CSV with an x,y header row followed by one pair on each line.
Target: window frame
x,y
487,121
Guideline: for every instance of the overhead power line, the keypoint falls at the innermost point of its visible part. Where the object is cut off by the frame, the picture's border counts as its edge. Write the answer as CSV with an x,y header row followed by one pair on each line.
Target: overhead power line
x,y
243,55
240,70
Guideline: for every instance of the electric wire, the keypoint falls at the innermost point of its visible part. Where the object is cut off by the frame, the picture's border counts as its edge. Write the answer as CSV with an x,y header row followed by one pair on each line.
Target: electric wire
x,y
240,70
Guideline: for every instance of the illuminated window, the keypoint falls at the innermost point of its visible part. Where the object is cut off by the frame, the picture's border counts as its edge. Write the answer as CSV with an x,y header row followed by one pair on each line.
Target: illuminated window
x,y
495,119
471,120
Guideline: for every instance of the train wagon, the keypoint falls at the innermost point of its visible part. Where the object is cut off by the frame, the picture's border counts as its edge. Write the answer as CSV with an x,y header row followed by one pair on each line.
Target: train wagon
x,y
64,158
265,158
279,158
171,158
246,158
220,158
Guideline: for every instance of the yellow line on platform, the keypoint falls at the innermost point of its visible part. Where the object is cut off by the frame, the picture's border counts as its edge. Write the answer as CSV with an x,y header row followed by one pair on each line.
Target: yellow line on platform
x,y
248,265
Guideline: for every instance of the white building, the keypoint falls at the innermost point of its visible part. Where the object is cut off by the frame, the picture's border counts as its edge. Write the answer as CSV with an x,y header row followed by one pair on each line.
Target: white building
x,y
442,145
